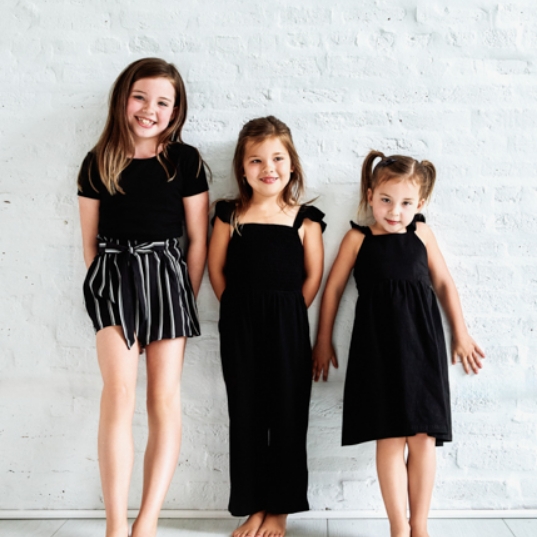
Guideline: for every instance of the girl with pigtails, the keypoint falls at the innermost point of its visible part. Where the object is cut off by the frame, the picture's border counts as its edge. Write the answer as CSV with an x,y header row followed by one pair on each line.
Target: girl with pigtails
x,y
396,388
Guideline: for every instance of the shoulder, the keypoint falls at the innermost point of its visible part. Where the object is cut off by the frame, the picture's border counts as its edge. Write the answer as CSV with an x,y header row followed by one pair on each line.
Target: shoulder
x,y
349,248
309,215
185,156
89,181
223,209
424,232
354,238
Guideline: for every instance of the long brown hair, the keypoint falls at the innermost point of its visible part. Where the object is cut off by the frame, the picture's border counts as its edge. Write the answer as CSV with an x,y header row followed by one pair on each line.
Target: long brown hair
x,y
115,147
257,130
394,167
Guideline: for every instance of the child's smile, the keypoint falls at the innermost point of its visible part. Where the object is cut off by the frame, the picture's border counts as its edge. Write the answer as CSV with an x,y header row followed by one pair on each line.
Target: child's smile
x,y
150,108
267,166
394,204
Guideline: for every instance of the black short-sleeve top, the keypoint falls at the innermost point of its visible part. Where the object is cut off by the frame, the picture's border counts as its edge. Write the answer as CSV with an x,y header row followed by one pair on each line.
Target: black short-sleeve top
x,y
151,208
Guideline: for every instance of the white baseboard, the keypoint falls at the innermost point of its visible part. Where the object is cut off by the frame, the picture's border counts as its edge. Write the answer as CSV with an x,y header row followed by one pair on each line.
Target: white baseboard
x,y
177,513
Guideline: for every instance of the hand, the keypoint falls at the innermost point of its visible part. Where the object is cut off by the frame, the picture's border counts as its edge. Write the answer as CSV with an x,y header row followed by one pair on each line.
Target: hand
x,y
322,356
468,352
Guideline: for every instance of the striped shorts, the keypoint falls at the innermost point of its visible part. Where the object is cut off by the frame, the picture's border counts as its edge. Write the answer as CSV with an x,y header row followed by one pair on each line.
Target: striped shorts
x,y
144,288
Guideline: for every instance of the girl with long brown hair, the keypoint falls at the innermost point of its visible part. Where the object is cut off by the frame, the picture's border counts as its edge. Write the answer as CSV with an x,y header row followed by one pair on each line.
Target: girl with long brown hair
x,y
137,188
265,265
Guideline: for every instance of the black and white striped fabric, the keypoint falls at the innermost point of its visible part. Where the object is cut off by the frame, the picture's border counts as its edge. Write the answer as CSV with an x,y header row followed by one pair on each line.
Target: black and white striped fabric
x,y
144,288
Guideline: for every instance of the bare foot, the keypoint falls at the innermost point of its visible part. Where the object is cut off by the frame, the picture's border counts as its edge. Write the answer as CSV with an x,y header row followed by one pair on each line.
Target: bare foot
x,y
273,526
147,529
250,527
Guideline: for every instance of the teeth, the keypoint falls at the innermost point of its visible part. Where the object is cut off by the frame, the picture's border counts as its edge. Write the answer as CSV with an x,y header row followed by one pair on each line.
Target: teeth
x,y
145,121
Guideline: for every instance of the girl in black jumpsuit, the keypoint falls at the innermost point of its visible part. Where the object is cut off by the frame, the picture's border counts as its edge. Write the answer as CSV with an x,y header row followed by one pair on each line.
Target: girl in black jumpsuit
x,y
265,264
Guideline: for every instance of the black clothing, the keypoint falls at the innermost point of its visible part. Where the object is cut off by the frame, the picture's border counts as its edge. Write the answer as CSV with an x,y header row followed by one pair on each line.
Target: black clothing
x,y
143,287
397,378
266,361
151,208
139,279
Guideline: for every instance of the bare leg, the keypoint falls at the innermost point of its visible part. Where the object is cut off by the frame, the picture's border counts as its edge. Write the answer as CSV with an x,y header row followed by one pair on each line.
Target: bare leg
x,y
392,474
119,367
421,472
251,526
164,368
273,526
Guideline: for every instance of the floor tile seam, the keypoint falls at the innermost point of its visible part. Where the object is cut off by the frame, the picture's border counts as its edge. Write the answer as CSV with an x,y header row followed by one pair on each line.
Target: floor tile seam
x,y
56,532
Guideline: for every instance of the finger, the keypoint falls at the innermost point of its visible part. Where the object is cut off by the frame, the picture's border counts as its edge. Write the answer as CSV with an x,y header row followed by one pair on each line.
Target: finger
x,y
477,359
334,361
479,350
325,372
471,362
464,361
453,357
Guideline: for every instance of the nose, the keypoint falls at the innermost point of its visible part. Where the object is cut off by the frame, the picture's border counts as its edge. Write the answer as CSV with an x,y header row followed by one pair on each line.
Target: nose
x,y
148,107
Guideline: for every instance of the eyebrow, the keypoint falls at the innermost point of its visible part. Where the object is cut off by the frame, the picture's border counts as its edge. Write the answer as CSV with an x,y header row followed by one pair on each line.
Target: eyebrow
x,y
273,154
145,93
388,196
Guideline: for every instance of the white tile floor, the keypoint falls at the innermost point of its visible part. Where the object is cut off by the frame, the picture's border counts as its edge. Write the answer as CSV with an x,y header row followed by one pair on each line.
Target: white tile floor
x,y
296,528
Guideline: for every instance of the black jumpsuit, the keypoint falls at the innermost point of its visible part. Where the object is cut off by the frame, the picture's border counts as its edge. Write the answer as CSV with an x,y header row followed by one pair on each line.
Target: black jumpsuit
x,y
266,361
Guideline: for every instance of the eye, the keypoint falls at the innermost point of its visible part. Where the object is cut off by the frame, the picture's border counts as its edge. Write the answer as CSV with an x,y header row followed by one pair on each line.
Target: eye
x,y
138,97
407,203
163,103
385,200
279,158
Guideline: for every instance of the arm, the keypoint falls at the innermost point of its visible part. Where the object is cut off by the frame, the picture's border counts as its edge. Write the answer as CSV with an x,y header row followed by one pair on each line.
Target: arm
x,y
197,222
89,224
313,260
217,256
323,351
462,344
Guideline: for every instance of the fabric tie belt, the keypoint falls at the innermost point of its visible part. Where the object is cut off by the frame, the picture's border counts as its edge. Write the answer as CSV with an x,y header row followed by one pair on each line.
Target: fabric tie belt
x,y
129,280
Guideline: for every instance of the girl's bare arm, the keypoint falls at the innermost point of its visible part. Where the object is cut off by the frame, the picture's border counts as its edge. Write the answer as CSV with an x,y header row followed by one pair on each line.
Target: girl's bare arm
x,y
89,224
197,222
313,260
462,344
217,256
323,351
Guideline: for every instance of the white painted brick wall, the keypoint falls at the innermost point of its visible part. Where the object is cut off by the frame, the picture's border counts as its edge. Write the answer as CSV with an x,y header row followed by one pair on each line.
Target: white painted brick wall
x,y
452,81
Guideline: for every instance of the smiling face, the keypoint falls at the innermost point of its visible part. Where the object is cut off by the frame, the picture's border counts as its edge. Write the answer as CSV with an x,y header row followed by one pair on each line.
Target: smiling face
x,y
394,204
150,108
267,167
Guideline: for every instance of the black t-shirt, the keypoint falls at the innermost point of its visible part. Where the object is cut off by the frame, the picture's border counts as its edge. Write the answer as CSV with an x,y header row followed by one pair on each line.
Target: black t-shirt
x,y
151,209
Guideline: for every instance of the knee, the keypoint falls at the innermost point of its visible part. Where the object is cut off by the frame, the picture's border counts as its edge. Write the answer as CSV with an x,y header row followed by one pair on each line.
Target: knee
x,y
119,396
164,403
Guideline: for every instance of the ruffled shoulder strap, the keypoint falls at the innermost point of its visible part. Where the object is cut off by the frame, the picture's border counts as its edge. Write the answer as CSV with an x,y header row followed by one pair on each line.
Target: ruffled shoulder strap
x,y
224,210
311,213
418,218
362,229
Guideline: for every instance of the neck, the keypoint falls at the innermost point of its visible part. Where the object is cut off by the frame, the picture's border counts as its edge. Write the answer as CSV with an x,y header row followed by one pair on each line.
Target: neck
x,y
146,149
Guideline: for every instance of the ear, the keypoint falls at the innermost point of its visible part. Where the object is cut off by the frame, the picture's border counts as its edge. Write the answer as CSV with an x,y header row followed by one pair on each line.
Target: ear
x,y
421,203
369,196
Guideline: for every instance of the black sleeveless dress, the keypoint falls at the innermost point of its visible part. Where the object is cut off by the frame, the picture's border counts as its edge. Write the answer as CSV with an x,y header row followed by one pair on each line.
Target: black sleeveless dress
x,y
397,378
266,360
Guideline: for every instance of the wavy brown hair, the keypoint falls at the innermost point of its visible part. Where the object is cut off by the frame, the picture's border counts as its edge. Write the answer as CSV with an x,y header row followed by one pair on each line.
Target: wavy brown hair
x,y
115,147
396,167
256,131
